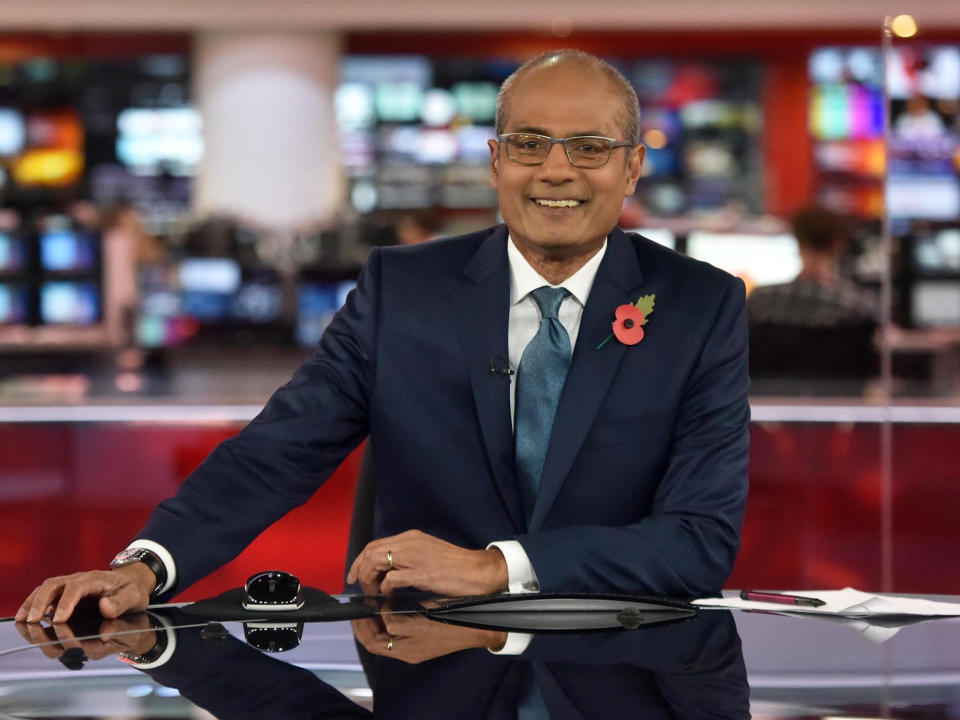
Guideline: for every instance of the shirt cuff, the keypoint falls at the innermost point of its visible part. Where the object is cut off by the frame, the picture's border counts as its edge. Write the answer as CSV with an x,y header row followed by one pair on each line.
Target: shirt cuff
x,y
516,643
166,558
521,577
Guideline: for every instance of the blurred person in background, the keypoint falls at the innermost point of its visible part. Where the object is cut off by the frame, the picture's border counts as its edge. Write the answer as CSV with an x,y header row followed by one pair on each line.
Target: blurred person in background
x,y
819,295
820,326
418,226
532,428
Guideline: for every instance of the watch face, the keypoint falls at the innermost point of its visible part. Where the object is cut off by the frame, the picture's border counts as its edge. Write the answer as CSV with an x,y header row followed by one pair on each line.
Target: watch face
x,y
125,557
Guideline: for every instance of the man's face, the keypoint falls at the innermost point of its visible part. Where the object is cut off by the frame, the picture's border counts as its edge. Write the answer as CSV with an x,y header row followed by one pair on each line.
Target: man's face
x,y
563,101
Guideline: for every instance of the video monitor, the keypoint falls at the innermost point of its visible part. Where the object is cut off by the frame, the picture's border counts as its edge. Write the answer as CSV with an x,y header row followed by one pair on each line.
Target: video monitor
x,y
13,303
931,71
317,302
67,302
398,101
436,147
354,106
212,275
153,139
935,303
472,141
258,301
13,131
917,195
938,252
476,100
70,251
755,259
12,253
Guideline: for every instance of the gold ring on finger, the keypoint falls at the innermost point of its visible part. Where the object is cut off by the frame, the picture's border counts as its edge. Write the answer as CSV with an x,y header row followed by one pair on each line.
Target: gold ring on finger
x,y
389,644
390,559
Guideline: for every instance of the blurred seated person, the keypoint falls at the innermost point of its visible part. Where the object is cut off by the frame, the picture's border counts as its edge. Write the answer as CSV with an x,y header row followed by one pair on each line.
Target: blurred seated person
x,y
820,324
418,226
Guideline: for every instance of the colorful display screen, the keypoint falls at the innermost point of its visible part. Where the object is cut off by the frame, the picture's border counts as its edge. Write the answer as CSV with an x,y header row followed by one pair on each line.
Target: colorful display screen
x,y
68,251
76,303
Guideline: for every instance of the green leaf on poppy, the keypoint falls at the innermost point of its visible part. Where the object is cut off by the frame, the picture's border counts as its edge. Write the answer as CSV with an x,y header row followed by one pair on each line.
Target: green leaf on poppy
x,y
645,304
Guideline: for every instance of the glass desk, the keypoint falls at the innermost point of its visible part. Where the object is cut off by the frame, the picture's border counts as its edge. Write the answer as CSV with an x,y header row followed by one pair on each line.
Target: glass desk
x,y
717,664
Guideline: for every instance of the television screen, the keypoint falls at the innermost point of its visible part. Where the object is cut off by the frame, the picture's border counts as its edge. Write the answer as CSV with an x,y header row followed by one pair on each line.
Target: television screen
x,y
935,303
13,131
212,275
65,250
398,102
354,106
76,303
12,250
317,303
931,71
13,304
151,140
938,252
476,100
755,259
931,197
258,301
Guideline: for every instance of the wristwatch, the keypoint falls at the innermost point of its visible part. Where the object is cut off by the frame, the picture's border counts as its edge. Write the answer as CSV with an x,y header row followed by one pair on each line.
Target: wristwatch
x,y
150,559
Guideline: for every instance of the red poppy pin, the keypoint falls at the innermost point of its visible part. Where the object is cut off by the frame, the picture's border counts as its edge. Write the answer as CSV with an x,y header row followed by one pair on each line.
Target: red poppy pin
x,y
629,321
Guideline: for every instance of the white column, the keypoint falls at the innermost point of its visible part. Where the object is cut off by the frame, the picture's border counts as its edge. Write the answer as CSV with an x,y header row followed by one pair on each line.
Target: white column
x,y
270,138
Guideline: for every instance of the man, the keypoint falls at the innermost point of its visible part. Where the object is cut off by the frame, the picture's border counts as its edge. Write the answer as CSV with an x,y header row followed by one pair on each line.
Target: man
x,y
631,465
819,296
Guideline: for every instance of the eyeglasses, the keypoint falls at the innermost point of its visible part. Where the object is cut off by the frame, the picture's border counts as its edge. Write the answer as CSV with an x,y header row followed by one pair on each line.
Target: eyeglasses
x,y
585,151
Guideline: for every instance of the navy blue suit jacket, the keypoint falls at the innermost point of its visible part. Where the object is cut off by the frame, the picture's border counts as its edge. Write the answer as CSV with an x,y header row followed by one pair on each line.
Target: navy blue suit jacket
x,y
645,478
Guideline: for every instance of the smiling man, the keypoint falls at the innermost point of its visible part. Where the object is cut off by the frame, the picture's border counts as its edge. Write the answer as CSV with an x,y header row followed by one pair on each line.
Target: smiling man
x,y
520,439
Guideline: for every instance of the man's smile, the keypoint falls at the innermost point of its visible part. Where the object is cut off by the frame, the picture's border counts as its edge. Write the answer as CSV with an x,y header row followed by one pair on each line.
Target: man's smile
x,y
568,203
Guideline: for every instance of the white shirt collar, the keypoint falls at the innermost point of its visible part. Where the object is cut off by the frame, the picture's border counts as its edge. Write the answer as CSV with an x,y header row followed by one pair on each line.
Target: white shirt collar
x,y
524,279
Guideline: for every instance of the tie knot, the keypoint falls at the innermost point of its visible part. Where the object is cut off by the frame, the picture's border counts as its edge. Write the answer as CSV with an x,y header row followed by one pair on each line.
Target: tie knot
x,y
548,299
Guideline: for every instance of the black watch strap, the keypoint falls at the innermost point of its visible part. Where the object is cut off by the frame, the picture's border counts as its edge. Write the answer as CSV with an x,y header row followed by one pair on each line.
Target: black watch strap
x,y
148,558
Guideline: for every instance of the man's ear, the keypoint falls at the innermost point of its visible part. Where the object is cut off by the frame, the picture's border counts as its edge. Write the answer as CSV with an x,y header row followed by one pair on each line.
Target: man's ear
x,y
634,166
494,159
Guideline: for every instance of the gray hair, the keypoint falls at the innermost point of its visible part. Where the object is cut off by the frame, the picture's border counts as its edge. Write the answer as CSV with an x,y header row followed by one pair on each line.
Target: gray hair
x,y
628,116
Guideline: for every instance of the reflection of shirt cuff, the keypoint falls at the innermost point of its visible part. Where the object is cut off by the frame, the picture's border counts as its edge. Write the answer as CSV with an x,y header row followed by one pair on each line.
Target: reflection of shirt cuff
x,y
515,645
166,558
521,577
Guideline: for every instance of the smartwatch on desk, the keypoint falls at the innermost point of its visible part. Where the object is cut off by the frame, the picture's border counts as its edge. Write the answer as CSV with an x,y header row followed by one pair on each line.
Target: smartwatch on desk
x,y
150,559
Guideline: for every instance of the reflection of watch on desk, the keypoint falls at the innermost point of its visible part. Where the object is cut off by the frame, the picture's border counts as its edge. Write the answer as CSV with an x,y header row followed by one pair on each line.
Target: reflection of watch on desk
x,y
161,651
148,558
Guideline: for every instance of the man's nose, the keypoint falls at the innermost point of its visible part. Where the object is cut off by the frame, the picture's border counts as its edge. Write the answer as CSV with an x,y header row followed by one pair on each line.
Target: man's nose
x,y
557,166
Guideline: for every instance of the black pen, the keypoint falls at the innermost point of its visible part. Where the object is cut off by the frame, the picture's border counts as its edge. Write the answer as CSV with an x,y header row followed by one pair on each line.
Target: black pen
x,y
758,596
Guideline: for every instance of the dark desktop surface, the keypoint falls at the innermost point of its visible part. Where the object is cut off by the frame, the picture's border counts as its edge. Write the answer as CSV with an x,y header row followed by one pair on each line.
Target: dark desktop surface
x,y
716,664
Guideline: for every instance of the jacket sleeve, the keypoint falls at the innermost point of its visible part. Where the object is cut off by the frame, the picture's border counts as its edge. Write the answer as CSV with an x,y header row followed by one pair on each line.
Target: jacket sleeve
x,y
687,545
288,451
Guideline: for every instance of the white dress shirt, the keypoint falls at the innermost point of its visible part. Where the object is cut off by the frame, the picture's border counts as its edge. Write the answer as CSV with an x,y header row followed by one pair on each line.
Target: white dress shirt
x,y
523,325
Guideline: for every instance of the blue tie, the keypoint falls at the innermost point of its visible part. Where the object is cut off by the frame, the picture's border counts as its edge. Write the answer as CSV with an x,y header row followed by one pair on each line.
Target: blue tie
x,y
540,377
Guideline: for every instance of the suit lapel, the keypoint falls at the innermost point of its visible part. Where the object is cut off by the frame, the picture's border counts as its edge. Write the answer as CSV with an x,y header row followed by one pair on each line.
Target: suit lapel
x,y
591,370
483,313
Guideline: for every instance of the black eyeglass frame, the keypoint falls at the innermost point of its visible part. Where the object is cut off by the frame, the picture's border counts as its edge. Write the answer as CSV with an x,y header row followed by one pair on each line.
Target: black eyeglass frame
x,y
614,144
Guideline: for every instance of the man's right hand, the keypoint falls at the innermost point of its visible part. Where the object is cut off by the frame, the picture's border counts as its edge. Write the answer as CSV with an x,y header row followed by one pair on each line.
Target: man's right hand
x,y
122,590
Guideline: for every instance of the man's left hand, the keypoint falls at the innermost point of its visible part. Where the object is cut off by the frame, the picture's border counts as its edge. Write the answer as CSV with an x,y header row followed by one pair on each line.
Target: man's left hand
x,y
427,563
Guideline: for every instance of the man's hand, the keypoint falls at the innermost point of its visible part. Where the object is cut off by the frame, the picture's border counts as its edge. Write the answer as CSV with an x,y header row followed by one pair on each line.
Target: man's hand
x,y
415,638
121,590
115,636
427,563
